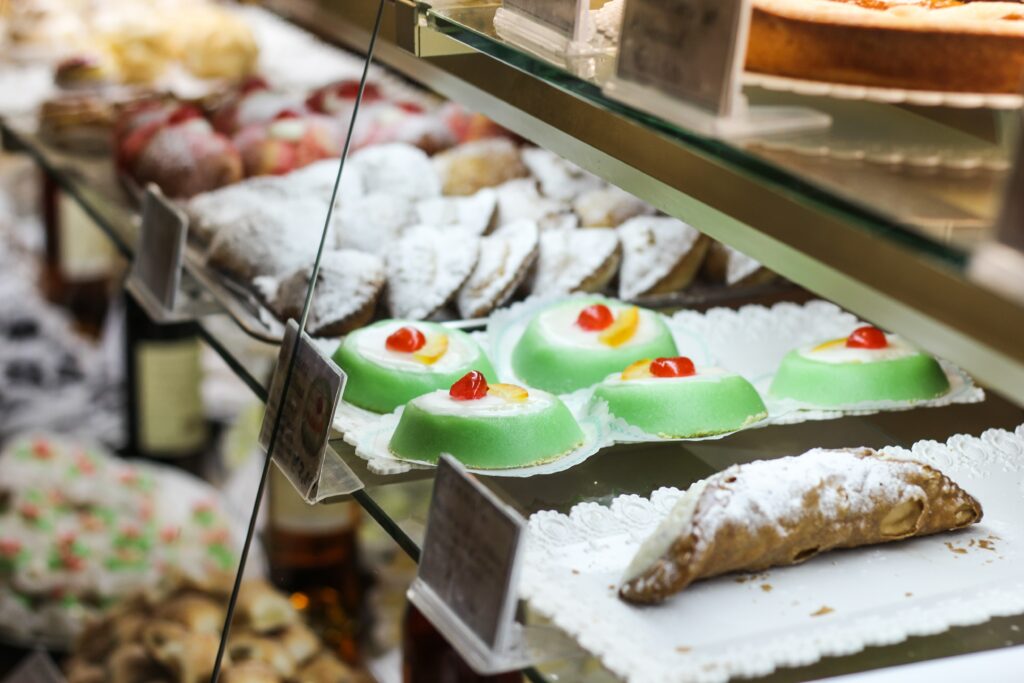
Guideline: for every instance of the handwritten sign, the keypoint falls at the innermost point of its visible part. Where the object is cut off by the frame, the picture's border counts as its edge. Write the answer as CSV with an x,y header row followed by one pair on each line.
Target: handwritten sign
x,y
687,50
307,411
471,556
156,271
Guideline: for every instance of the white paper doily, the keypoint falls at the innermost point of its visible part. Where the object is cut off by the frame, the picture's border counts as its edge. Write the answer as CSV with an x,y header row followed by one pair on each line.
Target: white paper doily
x,y
835,604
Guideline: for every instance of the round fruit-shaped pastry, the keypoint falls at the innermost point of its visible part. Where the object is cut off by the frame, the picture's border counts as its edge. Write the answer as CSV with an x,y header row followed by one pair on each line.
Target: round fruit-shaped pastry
x,y
288,142
392,362
338,99
868,365
494,426
183,155
254,103
672,398
580,342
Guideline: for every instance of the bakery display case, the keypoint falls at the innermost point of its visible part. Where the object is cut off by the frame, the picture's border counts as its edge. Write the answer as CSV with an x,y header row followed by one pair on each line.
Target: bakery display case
x,y
523,272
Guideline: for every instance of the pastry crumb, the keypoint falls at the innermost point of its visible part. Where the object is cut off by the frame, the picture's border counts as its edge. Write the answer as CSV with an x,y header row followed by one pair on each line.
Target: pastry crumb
x,y
986,544
822,611
955,549
908,594
684,649
766,587
576,572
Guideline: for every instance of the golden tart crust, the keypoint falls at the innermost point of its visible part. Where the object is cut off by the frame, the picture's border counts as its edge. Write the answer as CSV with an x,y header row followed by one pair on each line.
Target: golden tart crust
x,y
941,45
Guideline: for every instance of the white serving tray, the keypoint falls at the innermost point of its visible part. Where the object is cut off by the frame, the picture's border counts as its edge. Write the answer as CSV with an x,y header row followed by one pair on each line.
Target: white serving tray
x,y
836,604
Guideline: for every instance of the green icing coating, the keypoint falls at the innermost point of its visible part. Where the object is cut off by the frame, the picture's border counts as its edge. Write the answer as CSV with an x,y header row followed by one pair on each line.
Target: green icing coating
x,y
497,442
381,389
561,368
684,409
913,378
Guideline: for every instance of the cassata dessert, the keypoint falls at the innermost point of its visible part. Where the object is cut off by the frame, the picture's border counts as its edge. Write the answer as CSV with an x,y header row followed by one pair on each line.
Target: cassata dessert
x,y
868,365
580,342
392,362
672,398
486,426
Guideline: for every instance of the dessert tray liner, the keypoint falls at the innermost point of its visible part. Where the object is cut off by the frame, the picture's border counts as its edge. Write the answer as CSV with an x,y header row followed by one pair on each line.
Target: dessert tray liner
x,y
836,604
750,341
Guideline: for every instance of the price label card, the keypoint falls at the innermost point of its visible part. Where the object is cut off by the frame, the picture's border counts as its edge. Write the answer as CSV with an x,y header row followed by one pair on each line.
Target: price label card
x,y
562,16
156,271
307,411
686,50
470,562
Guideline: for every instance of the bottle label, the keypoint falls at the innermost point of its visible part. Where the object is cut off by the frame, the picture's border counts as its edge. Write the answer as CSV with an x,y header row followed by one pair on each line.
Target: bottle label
x,y
289,512
170,409
85,252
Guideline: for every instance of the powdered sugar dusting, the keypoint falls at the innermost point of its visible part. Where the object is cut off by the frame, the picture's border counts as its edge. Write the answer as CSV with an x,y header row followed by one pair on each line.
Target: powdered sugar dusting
x,y
519,200
568,258
651,247
505,257
399,169
474,214
373,222
608,207
426,268
558,178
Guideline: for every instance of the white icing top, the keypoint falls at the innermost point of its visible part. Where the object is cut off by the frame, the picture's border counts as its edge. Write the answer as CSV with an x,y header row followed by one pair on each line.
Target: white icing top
x,y
839,353
440,402
371,343
651,247
559,326
474,214
702,375
569,257
426,268
518,200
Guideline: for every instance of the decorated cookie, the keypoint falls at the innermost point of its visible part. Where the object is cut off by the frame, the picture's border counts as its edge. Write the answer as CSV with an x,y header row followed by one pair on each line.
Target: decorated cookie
x,y
608,207
671,398
392,362
660,255
426,268
347,288
473,214
575,261
868,365
494,426
577,343
471,166
505,260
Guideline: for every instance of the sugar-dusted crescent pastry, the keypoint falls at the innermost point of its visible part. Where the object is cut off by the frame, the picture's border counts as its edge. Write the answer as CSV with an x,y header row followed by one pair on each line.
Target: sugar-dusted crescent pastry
x,y
426,268
785,511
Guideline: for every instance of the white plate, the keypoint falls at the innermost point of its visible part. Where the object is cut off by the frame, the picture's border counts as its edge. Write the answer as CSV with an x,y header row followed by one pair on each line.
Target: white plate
x,y
743,625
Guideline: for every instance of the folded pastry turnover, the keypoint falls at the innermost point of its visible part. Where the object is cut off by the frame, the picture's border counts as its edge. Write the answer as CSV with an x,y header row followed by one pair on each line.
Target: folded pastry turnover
x,y
785,511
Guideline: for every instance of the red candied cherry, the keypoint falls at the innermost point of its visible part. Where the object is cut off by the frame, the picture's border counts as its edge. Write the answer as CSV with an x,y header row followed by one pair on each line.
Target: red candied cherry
x,y
679,366
472,387
286,114
867,337
254,83
9,547
185,112
406,340
595,318
410,107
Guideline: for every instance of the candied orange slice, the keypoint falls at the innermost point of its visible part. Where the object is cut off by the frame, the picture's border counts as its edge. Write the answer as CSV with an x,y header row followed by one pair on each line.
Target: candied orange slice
x,y
638,370
431,352
509,392
831,344
623,329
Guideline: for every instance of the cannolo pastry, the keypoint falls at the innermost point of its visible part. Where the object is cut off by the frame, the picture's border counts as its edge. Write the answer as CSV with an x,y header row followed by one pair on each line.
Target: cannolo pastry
x,y
577,343
485,426
392,362
345,298
671,398
660,255
505,260
288,142
781,512
473,214
608,207
426,268
472,166
575,261
868,365
558,178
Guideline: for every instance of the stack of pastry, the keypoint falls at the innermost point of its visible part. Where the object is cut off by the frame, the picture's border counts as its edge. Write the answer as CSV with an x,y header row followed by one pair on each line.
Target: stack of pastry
x,y
174,635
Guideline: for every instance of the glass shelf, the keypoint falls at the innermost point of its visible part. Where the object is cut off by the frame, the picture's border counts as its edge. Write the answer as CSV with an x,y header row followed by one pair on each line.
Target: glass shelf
x,y
399,504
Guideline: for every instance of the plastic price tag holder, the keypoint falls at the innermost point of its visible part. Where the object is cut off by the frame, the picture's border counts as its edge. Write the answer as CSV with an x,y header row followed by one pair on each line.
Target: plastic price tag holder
x,y
682,60
155,279
999,263
552,29
301,450
468,576
37,667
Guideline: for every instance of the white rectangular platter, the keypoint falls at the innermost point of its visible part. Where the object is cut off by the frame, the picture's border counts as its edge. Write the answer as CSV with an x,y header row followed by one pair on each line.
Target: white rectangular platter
x,y
749,625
